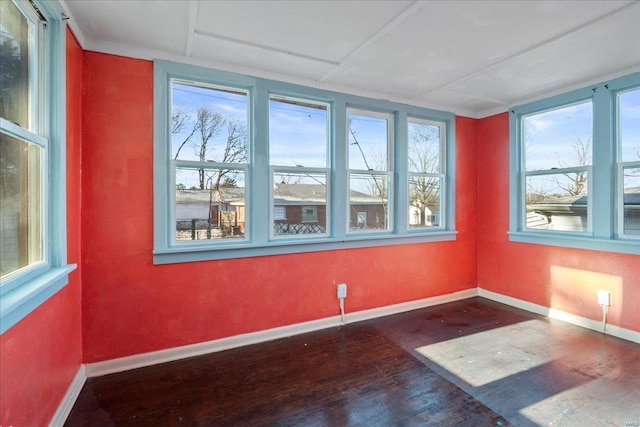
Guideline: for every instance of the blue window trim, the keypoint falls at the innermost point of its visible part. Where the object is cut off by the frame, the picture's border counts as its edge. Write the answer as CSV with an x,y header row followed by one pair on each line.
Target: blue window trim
x,y
603,181
259,241
22,293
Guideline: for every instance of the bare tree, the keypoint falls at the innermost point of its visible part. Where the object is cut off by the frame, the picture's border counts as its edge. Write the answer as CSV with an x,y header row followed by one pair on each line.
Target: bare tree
x,y
179,122
577,180
235,151
424,156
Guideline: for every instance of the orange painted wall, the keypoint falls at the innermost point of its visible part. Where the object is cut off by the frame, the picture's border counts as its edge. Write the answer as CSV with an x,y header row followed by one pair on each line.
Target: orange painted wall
x,y
131,306
40,355
561,278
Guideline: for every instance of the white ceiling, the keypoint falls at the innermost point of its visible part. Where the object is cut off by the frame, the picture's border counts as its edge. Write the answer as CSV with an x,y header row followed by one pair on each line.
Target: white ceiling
x,y
474,58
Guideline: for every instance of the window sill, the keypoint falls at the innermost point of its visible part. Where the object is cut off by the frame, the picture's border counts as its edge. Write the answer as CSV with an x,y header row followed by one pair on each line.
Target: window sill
x,y
19,302
204,253
578,242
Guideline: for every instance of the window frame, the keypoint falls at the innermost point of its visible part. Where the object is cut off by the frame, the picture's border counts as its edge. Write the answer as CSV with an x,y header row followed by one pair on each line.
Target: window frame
x,y
388,172
23,291
603,174
442,175
325,169
260,240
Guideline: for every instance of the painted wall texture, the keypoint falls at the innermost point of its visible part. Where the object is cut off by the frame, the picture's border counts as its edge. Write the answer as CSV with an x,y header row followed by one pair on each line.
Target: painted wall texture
x,y
131,306
561,278
41,354
125,305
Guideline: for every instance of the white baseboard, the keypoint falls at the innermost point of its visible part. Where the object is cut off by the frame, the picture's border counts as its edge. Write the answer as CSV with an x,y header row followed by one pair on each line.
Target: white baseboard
x,y
552,313
155,357
69,399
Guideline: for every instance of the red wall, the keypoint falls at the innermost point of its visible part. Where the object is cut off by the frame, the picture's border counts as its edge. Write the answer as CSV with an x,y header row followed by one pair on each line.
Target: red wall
x,y
561,278
40,355
131,306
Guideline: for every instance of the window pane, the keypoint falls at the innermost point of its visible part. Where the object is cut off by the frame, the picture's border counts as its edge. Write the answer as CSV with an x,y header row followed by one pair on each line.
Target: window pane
x,y
368,143
210,204
629,125
424,201
557,202
299,203
15,32
297,133
21,226
424,147
208,125
560,138
369,202
631,201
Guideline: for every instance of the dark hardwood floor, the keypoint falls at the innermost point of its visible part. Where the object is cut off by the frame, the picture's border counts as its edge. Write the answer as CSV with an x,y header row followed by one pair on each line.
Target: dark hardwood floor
x,y
468,363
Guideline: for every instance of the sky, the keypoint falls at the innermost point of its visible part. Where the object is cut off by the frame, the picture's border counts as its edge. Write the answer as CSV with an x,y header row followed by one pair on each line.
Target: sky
x,y
550,137
299,132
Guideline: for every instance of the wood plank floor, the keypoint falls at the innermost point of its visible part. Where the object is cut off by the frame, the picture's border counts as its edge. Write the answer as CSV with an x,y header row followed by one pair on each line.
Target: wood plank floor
x,y
468,363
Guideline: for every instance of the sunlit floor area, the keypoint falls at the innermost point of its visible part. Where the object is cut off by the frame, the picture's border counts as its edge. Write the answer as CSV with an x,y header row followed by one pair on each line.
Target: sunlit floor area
x,y
470,363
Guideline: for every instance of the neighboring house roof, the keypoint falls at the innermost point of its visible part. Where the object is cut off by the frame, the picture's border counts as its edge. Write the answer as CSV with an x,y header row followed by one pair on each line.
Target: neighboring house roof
x,y
231,195
284,194
291,194
576,203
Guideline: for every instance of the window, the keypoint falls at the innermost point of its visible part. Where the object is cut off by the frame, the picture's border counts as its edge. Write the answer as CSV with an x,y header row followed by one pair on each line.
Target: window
x,y
299,155
245,166
557,157
370,137
567,155
628,107
32,198
209,153
309,214
427,173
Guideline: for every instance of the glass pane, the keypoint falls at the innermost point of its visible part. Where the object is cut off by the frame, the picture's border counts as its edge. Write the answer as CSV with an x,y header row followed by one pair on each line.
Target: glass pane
x,y
299,203
424,147
560,138
631,223
424,201
297,133
210,204
368,143
557,202
21,236
15,32
629,125
208,125
369,202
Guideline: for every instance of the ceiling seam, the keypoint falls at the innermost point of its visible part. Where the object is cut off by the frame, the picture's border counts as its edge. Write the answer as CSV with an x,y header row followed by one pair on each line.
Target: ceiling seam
x,y
264,47
374,38
194,6
529,49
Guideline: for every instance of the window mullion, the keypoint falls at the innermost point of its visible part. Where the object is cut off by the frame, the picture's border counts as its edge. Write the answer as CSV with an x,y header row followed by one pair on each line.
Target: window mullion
x,y
401,170
259,192
602,183
339,181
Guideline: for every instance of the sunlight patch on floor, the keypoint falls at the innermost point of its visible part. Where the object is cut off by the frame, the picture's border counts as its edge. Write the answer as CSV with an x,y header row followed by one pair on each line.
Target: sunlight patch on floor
x,y
588,404
485,357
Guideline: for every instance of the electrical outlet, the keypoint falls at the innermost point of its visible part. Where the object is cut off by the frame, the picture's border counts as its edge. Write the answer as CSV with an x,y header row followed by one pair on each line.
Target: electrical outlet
x,y
342,290
604,298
